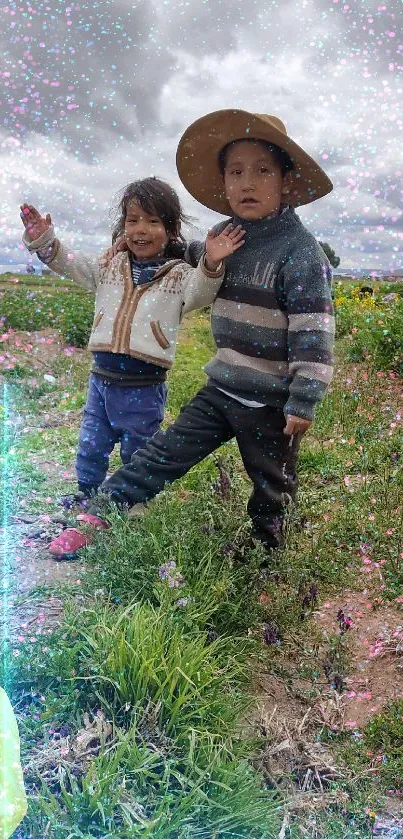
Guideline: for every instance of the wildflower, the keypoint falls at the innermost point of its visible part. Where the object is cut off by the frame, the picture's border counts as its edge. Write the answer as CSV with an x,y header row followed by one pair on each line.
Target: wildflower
x,y
270,634
223,484
166,569
228,548
208,529
311,596
344,621
167,572
183,601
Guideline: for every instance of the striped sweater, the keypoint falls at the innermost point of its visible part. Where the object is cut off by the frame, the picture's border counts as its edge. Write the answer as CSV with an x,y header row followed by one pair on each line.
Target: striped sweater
x,y
272,319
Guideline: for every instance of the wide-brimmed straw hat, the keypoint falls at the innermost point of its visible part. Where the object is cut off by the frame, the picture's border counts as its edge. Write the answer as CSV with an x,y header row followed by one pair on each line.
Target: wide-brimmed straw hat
x,y
199,148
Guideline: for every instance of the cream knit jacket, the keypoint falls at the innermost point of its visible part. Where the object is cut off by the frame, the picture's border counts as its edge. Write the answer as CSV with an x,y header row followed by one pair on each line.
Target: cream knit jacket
x,y
140,321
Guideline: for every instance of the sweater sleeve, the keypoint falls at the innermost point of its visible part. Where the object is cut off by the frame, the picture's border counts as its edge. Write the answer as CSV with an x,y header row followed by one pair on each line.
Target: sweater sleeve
x,y
193,253
82,269
200,286
306,279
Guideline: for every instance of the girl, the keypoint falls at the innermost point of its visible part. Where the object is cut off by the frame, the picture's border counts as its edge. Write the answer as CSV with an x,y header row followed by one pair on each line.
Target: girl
x,y
140,298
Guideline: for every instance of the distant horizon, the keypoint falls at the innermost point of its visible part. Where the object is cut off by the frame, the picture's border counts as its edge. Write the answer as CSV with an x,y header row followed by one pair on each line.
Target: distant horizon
x,y
20,268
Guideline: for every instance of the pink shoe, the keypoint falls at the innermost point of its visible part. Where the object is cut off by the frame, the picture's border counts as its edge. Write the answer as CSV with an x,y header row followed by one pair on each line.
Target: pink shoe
x,y
95,521
72,540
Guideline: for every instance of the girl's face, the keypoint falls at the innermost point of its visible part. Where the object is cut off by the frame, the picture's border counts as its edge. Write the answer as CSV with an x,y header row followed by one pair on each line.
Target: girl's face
x,y
146,236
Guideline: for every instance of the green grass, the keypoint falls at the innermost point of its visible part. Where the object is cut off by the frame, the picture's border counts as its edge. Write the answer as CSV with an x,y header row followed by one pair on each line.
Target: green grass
x,y
374,326
62,308
383,738
35,280
172,664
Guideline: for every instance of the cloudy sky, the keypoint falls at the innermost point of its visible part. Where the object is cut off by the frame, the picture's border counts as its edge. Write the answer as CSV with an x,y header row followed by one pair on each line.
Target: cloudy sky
x,y
96,94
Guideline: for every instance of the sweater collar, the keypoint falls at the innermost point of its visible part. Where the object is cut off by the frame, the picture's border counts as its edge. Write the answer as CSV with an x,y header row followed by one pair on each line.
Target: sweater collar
x,y
270,226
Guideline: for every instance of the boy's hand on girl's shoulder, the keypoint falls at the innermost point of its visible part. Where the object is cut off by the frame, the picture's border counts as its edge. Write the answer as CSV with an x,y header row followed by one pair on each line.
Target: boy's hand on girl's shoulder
x,y
119,246
296,425
34,223
223,245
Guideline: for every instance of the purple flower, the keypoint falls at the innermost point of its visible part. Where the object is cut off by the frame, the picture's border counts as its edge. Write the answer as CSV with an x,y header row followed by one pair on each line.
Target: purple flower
x,y
169,573
182,602
270,634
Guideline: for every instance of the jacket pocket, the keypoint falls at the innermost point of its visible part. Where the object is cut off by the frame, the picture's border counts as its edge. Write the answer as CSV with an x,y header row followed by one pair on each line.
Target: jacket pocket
x,y
97,319
159,335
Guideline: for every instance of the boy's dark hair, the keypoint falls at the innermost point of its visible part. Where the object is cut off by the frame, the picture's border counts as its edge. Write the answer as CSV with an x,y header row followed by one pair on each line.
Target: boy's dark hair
x,y
281,157
157,198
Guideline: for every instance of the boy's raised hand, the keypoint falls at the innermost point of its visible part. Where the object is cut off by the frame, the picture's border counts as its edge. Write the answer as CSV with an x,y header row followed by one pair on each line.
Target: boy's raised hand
x,y
221,246
34,223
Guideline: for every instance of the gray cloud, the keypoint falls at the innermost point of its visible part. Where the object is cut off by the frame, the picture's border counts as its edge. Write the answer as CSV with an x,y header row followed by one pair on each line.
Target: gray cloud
x,y
87,72
96,95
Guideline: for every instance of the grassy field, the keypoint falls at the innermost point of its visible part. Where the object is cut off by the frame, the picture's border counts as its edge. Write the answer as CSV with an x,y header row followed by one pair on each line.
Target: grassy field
x,y
185,693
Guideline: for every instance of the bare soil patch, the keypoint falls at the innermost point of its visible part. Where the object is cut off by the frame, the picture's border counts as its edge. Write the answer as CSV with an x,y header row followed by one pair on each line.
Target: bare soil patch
x,y
374,644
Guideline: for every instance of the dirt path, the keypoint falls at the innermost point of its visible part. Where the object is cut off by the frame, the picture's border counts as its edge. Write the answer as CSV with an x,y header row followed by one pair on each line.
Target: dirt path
x,y
28,570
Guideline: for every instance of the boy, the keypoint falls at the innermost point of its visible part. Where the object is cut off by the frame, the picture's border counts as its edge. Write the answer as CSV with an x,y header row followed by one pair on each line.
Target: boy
x,y
272,320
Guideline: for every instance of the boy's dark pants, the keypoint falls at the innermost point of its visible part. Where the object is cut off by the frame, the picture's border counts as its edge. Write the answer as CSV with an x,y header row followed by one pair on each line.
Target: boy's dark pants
x,y
209,420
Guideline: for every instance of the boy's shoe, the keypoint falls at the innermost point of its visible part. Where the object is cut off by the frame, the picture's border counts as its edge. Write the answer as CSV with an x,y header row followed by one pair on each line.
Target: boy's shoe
x,y
137,511
106,503
72,540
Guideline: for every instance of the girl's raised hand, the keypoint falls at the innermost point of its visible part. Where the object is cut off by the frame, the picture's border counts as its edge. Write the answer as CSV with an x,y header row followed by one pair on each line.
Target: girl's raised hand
x,y
34,223
221,246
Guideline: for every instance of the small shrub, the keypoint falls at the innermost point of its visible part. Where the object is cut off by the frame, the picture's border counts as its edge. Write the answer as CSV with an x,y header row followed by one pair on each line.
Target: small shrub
x,y
140,658
375,328
384,737
67,310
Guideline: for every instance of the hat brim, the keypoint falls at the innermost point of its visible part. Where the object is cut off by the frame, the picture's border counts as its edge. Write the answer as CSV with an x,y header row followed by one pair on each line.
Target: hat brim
x,y
197,158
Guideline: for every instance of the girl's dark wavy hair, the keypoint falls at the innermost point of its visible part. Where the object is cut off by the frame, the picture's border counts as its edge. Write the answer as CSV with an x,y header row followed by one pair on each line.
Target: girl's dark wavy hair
x,y
157,198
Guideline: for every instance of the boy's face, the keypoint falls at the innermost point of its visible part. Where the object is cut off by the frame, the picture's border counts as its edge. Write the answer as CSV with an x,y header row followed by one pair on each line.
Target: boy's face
x,y
254,184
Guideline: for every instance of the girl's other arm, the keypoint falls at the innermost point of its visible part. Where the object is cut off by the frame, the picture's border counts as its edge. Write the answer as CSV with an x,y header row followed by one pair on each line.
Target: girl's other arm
x,y
39,237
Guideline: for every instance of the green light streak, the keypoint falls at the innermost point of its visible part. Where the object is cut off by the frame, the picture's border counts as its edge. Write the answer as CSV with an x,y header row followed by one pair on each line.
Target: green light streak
x,y
6,547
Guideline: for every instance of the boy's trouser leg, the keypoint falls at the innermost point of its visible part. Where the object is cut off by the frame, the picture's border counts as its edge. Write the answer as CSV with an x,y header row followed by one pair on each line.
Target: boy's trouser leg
x,y
200,428
135,414
266,451
291,466
96,439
